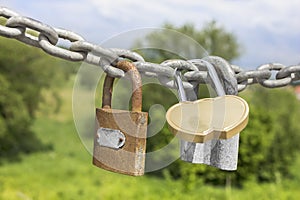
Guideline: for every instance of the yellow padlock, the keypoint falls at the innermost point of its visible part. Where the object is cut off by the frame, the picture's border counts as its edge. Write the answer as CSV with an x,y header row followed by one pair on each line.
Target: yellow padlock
x,y
205,119
210,118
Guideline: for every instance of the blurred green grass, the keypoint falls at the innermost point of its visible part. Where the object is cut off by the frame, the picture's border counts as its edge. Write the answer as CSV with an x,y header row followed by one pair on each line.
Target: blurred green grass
x,y
66,172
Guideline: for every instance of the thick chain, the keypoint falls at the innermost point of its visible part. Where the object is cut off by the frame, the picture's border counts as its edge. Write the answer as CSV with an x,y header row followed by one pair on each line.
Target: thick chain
x,y
40,35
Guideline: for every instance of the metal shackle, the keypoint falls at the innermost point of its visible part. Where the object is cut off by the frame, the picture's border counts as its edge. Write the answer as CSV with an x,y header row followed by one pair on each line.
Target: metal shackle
x,y
213,77
179,85
216,82
127,67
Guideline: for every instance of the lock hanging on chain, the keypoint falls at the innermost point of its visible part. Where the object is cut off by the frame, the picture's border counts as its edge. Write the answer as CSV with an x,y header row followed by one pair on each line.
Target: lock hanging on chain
x,y
120,139
210,118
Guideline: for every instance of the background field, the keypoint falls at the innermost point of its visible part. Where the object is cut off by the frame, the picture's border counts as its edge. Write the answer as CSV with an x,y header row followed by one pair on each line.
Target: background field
x,y
66,172
43,157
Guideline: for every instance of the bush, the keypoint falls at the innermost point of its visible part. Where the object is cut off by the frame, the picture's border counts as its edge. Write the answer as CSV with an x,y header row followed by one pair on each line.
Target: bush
x,y
24,73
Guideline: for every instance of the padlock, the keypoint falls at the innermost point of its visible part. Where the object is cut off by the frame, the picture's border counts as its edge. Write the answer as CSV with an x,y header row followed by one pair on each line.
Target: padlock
x,y
120,139
206,119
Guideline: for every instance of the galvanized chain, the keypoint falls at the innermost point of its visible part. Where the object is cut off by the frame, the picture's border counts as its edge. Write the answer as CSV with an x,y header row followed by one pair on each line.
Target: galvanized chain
x,y
40,35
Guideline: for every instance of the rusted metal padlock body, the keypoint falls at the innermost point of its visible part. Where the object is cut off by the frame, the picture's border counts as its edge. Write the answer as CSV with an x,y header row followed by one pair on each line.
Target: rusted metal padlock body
x,y
120,139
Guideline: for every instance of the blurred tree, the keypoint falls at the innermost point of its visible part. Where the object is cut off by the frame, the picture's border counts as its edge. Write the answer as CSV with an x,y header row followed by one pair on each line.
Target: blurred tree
x,y
186,42
25,72
15,133
279,110
268,144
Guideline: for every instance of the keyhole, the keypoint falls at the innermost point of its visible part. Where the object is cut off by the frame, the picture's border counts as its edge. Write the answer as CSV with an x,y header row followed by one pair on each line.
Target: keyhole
x,y
121,142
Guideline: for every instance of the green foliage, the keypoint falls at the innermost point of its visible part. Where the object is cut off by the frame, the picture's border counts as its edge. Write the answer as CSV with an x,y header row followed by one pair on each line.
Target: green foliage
x,y
24,73
269,143
15,133
255,143
181,40
29,70
186,42
66,172
180,43
164,136
278,111
214,39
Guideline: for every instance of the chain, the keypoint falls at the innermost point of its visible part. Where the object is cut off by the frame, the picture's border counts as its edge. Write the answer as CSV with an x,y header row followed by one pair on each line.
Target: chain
x,y
45,37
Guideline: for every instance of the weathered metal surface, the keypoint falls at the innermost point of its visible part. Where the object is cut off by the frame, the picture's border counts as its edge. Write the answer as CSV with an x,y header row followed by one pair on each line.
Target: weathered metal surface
x,y
130,158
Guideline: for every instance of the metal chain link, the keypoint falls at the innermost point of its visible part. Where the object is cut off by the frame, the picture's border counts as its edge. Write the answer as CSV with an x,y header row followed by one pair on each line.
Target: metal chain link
x,y
40,35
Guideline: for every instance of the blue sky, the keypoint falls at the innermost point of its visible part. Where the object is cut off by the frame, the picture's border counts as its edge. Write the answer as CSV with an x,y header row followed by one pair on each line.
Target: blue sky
x,y
269,31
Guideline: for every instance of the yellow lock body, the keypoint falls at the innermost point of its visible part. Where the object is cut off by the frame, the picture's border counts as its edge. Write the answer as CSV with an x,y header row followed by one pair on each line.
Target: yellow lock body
x,y
210,118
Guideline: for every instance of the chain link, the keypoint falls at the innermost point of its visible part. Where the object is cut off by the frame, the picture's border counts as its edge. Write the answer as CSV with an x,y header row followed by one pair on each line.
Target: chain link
x,y
40,35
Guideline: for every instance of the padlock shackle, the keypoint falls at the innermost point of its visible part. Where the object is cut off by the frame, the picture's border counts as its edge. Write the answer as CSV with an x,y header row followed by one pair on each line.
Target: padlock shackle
x,y
136,82
215,79
179,84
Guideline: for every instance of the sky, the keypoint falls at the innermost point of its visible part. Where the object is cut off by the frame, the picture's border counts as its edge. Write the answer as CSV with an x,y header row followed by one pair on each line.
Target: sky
x,y
268,30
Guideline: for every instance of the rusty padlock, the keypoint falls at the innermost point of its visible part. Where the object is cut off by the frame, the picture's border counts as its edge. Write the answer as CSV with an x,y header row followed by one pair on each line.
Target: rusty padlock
x,y
120,139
